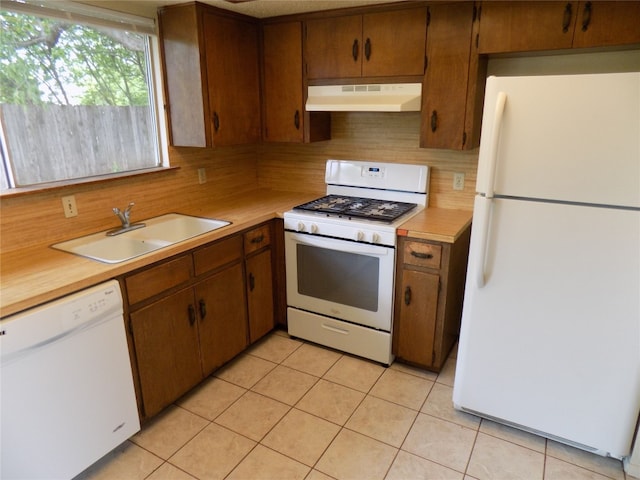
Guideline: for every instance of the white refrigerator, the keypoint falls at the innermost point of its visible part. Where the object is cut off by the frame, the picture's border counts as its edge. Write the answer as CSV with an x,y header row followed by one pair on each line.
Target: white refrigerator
x,y
550,334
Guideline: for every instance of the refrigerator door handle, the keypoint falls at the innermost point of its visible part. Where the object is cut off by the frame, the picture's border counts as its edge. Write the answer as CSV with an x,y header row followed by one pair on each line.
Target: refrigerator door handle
x,y
483,213
495,138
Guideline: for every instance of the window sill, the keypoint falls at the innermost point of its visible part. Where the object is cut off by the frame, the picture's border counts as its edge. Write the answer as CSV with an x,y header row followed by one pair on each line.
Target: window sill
x,y
52,186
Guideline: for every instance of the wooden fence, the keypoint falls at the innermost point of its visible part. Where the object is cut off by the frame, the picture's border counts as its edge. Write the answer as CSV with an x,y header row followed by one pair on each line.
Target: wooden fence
x,y
53,142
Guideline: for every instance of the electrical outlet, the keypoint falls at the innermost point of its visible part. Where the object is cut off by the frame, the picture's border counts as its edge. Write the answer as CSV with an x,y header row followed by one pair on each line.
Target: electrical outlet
x,y
202,175
458,181
69,206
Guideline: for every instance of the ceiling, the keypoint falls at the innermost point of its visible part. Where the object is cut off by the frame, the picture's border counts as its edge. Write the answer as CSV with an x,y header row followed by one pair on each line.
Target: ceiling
x,y
253,8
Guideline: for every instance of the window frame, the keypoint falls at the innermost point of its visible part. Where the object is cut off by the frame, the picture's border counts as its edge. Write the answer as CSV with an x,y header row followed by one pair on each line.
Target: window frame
x,y
92,15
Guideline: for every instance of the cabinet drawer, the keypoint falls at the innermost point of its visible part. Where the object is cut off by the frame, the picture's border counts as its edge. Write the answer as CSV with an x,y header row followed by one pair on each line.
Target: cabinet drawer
x,y
155,280
257,238
220,253
422,254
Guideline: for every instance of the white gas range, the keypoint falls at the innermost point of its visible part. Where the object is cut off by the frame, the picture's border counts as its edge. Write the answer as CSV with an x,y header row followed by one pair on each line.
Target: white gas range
x,y
340,255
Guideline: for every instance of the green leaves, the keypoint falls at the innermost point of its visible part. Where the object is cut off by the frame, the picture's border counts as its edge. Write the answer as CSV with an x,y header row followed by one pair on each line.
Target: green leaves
x,y
53,61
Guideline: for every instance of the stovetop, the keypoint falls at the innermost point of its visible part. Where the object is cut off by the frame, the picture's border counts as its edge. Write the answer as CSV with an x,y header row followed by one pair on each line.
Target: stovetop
x,y
347,207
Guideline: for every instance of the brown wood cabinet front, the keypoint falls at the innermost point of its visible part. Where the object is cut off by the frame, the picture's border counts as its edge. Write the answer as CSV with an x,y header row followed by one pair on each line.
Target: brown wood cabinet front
x,y
231,47
454,79
283,97
211,76
167,349
222,317
383,44
259,280
418,310
539,25
430,281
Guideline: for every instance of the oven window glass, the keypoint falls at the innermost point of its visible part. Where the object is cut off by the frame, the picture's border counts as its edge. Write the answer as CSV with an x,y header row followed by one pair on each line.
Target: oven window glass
x,y
339,277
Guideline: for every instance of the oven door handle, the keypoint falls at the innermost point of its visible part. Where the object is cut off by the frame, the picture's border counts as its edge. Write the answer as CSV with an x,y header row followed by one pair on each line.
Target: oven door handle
x,y
356,248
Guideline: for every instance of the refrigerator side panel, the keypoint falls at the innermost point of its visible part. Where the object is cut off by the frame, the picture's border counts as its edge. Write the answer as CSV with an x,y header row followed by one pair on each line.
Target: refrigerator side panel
x,y
550,343
570,138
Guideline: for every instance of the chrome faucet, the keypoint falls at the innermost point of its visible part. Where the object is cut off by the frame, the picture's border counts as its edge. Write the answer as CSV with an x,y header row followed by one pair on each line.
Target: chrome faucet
x,y
124,216
125,219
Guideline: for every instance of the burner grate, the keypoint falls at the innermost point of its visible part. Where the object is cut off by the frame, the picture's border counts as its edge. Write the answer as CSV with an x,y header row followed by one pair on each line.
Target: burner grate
x,y
357,207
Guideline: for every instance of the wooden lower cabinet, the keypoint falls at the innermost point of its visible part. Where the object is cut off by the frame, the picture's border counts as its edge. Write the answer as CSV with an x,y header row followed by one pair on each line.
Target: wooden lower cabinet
x,y
222,317
260,295
430,279
167,350
191,314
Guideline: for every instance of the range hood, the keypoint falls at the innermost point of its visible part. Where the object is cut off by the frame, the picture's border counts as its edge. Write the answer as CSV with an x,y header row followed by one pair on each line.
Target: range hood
x,y
388,97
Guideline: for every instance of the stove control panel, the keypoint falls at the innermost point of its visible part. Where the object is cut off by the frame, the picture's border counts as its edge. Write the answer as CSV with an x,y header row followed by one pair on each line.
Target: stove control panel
x,y
349,230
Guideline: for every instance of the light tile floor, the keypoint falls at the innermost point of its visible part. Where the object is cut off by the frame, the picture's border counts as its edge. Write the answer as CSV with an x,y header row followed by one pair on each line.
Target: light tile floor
x,y
287,409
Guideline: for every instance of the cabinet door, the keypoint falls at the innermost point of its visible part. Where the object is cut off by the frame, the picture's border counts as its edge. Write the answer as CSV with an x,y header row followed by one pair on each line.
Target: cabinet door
x,y
333,47
223,317
260,295
607,23
394,43
282,97
165,335
231,50
525,26
417,318
185,88
446,80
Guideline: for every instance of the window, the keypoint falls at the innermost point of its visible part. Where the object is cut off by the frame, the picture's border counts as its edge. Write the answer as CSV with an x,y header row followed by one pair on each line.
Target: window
x,y
77,95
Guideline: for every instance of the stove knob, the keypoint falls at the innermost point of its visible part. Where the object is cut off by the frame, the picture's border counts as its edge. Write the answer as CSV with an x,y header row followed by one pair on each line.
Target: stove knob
x,y
301,226
375,238
314,228
360,236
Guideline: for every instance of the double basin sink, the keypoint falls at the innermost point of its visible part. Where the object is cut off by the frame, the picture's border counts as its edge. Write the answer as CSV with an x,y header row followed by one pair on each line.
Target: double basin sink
x,y
158,232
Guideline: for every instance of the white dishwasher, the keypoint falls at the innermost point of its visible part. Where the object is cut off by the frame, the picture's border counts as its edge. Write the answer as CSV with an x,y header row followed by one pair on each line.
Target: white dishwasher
x,y
67,395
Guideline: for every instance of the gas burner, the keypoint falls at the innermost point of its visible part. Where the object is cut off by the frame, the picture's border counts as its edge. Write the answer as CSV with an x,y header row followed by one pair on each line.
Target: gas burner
x,y
357,207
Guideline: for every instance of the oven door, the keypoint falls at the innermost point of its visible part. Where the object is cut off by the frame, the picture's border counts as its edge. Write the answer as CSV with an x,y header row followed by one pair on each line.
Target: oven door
x,y
341,279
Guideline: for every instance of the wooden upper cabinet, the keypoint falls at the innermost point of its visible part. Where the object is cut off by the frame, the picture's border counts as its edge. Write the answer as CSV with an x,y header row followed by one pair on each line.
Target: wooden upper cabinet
x,y
449,75
394,43
282,95
382,44
529,26
210,65
607,23
522,26
231,48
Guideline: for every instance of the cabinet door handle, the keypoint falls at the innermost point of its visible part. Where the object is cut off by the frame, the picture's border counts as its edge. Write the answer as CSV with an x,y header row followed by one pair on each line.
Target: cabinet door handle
x,y
252,282
566,18
434,121
257,239
586,16
407,295
367,49
203,308
296,120
216,121
354,50
423,256
192,315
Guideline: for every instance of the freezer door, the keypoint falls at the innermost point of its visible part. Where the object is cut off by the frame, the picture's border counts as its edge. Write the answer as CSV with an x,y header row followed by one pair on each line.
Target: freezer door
x,y
571,138
550,342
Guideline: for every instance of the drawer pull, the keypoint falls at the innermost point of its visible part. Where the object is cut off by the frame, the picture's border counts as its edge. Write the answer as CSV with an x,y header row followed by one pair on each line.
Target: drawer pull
x,y
423,256
257,239
203,308
586,16
252,282
407,295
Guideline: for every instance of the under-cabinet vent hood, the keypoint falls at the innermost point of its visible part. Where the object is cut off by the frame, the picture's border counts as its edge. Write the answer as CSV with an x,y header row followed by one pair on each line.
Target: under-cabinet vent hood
x,y
389,97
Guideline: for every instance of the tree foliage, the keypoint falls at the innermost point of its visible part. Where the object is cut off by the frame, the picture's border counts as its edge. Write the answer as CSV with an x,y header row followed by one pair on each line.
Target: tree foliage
x,y
52,61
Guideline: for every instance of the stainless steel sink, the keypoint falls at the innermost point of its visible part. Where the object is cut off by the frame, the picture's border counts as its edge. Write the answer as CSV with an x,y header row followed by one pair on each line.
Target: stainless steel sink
x,y
159,232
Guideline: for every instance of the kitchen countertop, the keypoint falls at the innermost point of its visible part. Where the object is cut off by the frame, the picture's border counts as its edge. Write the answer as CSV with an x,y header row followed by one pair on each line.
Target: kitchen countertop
x,y
35,275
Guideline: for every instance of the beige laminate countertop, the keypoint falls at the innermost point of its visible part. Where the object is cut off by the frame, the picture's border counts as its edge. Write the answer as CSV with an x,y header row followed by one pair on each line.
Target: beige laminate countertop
x,y
33,276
